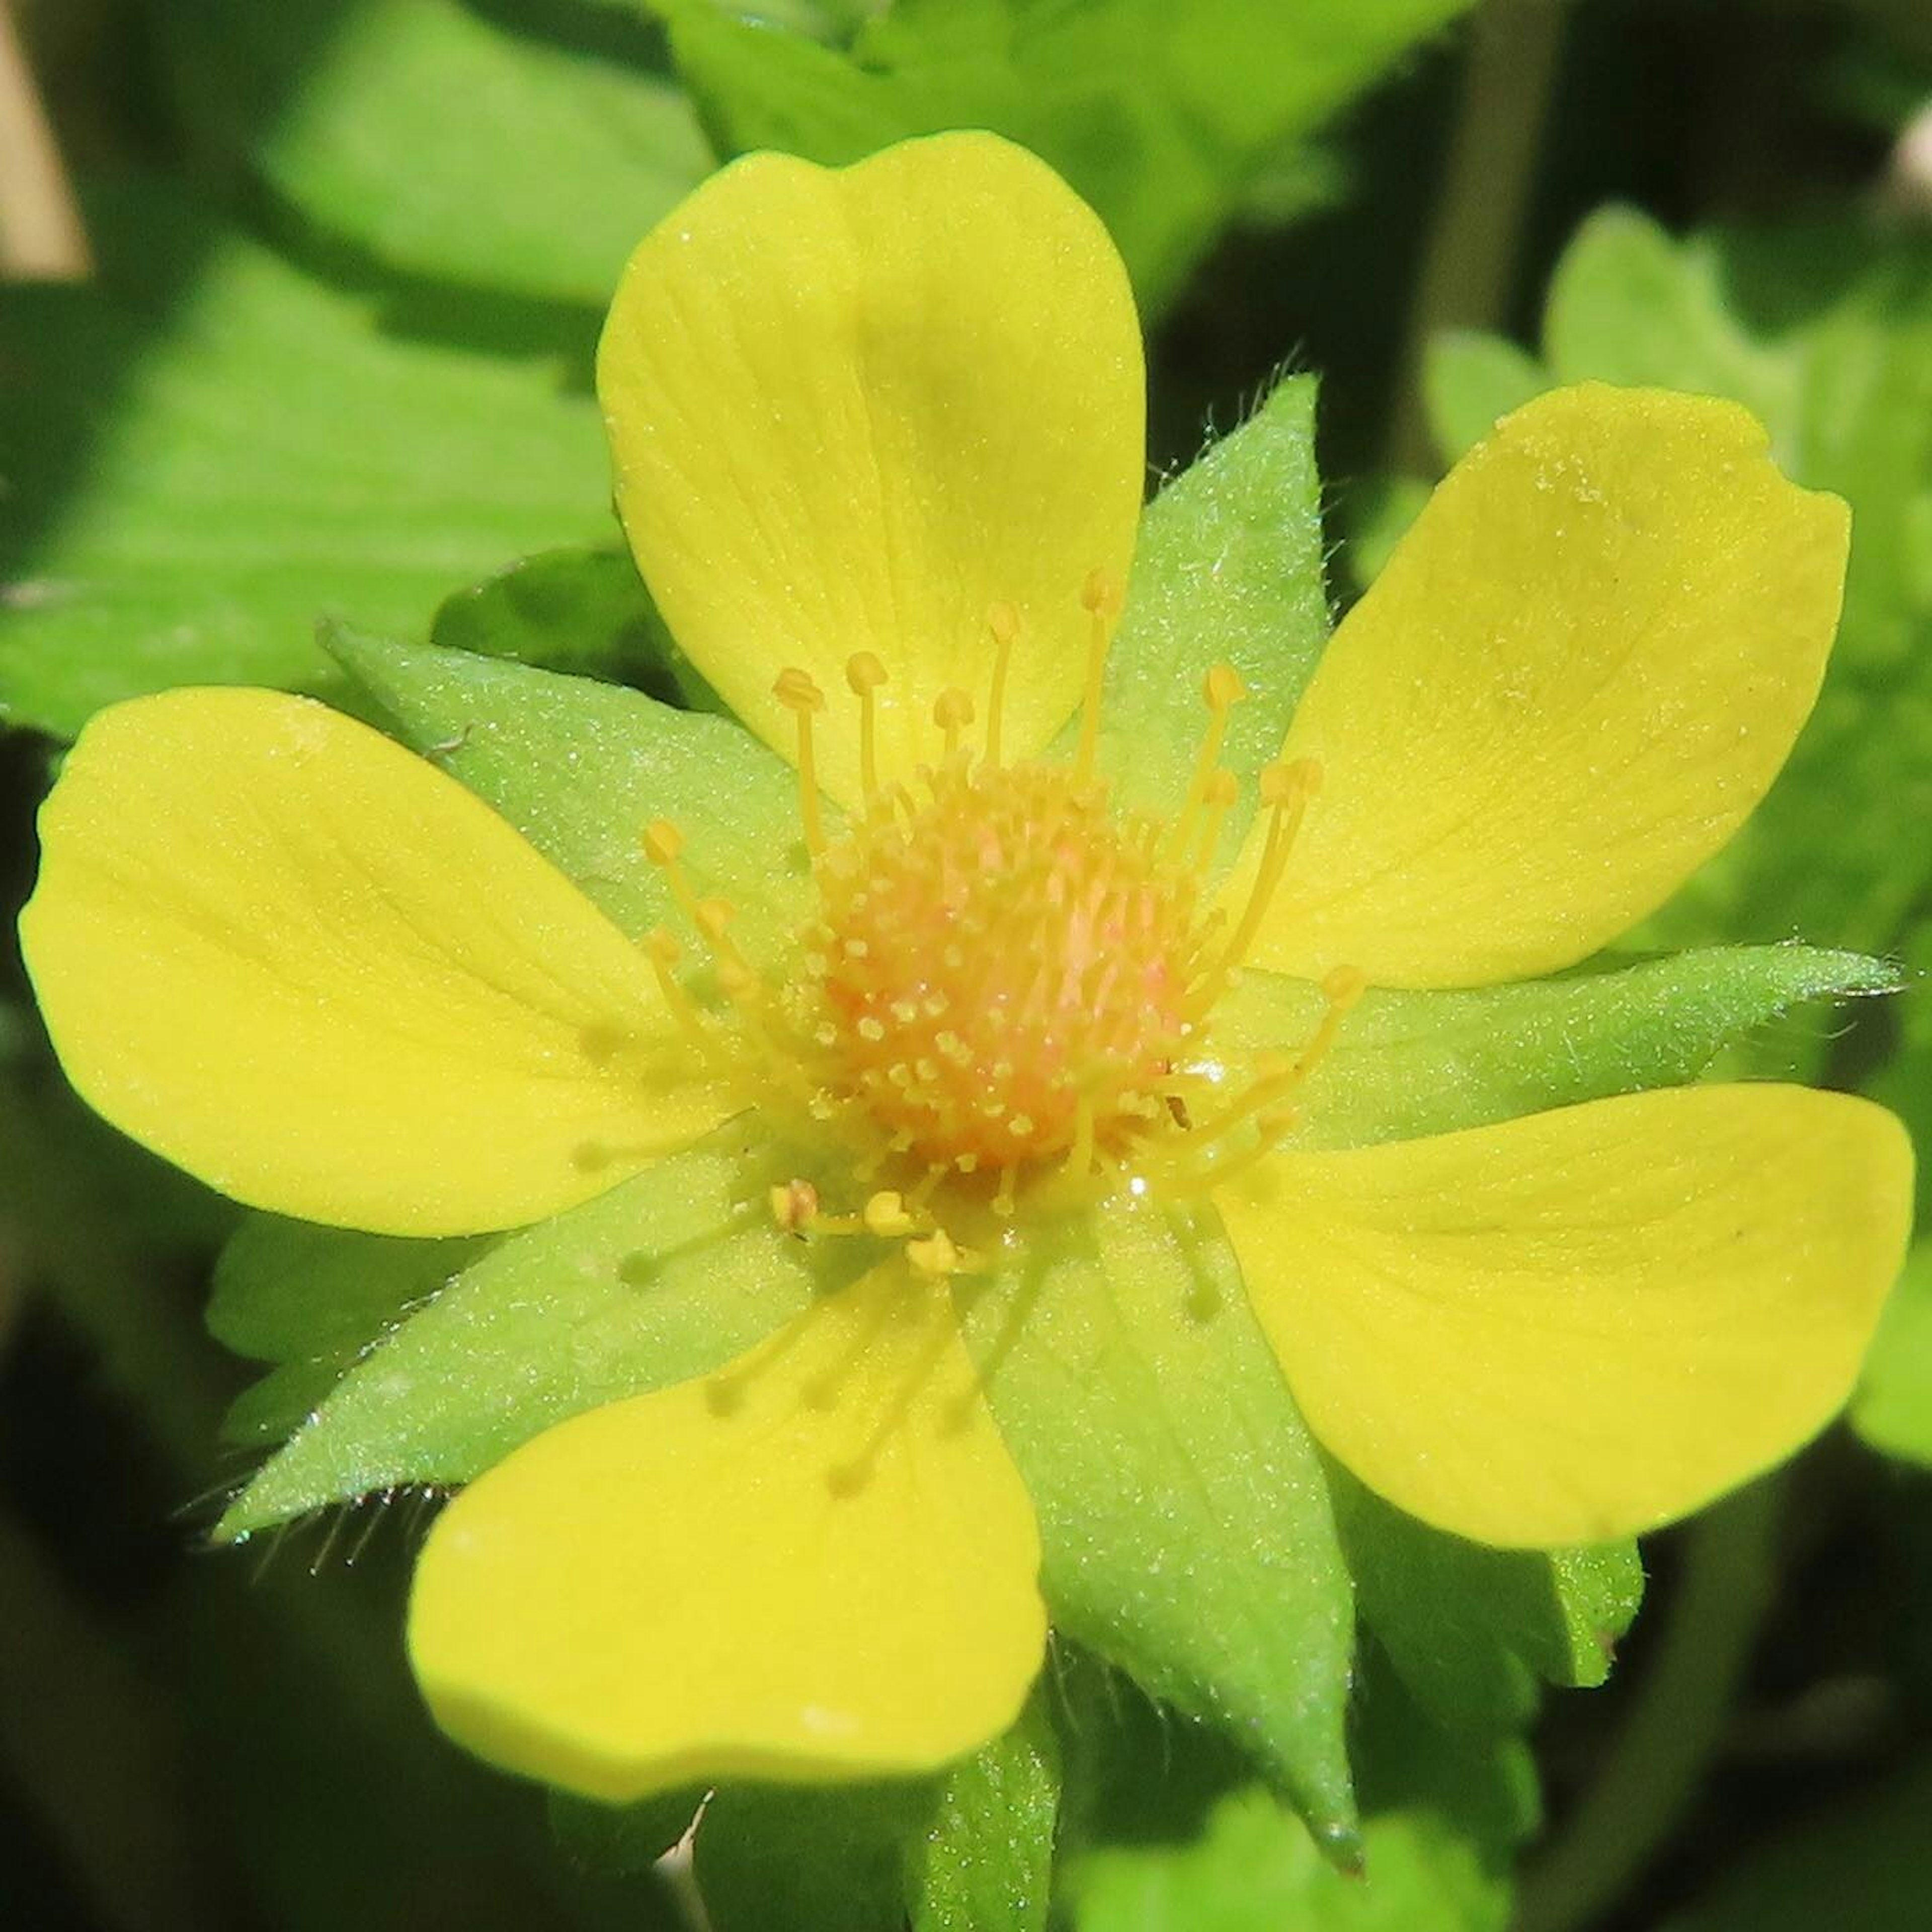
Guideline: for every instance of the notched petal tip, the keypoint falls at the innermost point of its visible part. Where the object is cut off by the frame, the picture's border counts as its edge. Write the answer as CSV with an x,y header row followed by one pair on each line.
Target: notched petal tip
x,y
817,1565
930,365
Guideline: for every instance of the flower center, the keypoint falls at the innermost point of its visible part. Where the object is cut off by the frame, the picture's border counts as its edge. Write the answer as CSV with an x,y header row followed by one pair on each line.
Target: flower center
x,y
1005,984
1004,970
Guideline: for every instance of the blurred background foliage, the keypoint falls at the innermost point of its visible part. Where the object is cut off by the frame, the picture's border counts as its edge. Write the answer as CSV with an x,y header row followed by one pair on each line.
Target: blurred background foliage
x,y
316,338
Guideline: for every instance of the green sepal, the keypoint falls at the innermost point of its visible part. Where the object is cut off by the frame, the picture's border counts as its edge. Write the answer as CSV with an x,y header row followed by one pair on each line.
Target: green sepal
x,y
666,1276
193,474
1227,570
411,127
984,1862
311,1300
1445,1813
580,768
1406,1064
1185,1519
1469,1630
969,1849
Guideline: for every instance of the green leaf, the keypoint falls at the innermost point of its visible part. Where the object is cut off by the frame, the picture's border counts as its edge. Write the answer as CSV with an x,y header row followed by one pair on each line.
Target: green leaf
x,y
582,612
664,1277
311,1300
1469,1629
1227,571
1469,380
1823,329
1187,1532
1256,1871
985,1863
191,484
1892,1410
1162,119
581,768
440,140
1407,1064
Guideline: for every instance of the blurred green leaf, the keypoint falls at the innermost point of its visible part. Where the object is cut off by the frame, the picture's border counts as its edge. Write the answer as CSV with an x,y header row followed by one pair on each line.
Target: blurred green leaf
x,y
1867,1863
664,1277
193,483
1227,570
1187,1532
439,139
1893,1409
582,768
1256,1870
1410,1063
1161,117
1823,329
1470,380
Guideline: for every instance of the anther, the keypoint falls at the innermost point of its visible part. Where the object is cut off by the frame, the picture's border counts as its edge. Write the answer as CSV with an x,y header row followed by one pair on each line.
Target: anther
x,y
1223,690
798,695
885,1215
1004,621
936,1255
1100,599
865,674
952,713
794,1205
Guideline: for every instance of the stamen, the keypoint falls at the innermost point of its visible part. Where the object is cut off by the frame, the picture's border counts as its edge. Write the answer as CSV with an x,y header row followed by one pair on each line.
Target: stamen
x,y
1004,621
1223,789
1222,689
797,693
794,1205
1285,790
865,674
1100,598
662,950
952,713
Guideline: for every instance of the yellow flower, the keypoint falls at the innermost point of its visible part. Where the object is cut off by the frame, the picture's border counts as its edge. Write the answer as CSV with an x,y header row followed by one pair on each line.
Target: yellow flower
x,y
878,436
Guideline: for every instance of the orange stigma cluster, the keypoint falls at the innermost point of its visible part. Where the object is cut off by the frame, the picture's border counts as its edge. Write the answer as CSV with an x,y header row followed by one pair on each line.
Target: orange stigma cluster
x,y
1007,986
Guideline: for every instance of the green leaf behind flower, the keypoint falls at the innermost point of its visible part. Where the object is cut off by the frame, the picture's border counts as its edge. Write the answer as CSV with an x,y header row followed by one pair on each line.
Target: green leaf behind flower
x,y
440,140
1405,1064
1823,329
1163,117
666,1276
1255,1869
190,486
1892,1410
1187,1532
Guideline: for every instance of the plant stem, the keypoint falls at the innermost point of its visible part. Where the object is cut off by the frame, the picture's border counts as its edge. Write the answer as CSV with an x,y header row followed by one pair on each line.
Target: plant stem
x,y
1653,1764
1468,267
41,237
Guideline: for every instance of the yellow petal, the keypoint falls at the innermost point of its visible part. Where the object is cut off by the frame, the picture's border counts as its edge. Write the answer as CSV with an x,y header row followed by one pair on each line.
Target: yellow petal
x,y
311,969
1578,1325
817,1564
1574,679
853,410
